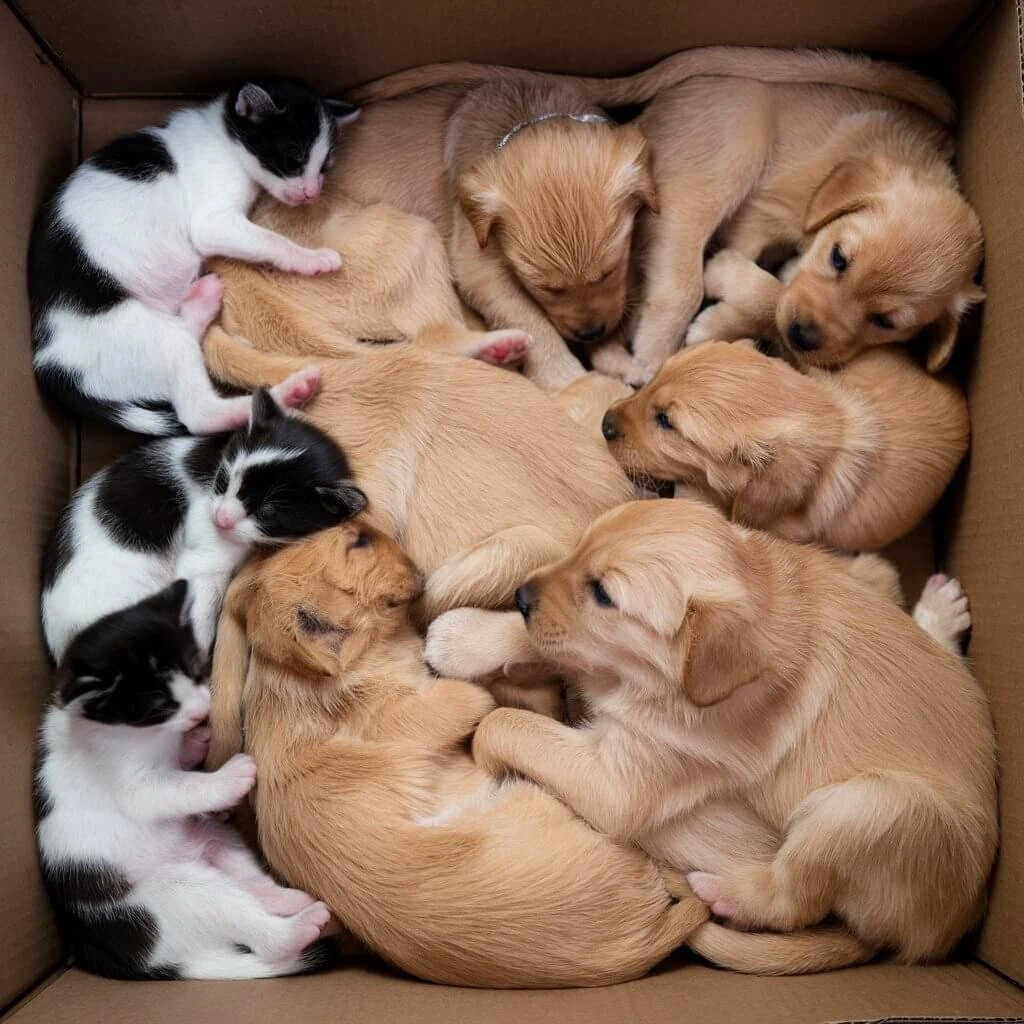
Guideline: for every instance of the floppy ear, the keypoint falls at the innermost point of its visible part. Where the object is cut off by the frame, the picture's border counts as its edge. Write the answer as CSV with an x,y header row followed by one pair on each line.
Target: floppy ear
x,y
846,189
741,465
255,103
777,486
341,111
482,203
943,333
317,641
229,673
716,658
644,189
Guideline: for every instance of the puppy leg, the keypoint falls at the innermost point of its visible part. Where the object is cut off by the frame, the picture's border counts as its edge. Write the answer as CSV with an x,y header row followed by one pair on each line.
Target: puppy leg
x,y
487,575
442,715
944,612
470,643
748,297
499,348
486,284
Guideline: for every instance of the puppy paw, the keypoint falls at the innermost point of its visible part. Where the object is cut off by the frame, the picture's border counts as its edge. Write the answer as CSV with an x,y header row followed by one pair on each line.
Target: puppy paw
x,y
712,890
723,273
488,738
456,645
944,611
702,328
639,373
297,389
502,348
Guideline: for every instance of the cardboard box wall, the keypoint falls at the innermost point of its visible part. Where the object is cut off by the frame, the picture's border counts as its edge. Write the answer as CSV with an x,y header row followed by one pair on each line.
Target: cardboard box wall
x,y
75,73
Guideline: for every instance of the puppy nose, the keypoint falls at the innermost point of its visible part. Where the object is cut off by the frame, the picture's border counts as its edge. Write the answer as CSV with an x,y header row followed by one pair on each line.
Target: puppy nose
x,y
608,427
525,598
592,333
803,336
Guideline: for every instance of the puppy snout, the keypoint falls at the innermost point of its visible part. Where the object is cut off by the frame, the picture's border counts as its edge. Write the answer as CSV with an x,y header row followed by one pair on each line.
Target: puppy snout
x,y
525,599
593,333
609,427
803,335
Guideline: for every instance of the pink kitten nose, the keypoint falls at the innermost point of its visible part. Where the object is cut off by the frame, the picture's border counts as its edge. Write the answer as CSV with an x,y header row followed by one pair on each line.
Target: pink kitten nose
x,y
224,520
311,190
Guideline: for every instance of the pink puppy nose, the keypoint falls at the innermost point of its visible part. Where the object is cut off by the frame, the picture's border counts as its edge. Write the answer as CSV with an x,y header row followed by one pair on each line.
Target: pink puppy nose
x,y
224,520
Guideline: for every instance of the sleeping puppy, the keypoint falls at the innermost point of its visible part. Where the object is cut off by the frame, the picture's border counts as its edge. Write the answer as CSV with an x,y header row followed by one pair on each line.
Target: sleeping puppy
x,y
852,459
739,680
756,149
369,794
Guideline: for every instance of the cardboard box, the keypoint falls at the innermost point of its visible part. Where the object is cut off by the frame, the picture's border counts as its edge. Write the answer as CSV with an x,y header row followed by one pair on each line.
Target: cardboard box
x,y
74,73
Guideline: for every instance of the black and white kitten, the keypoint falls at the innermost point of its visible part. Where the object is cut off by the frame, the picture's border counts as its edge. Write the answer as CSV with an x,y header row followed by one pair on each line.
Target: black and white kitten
x,y
190,508
146,882
118,303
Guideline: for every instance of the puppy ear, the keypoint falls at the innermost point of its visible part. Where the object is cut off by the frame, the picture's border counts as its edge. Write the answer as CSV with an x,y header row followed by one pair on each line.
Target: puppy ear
x,y
318,641
943,333
645,191
634,180
716,659
847,189
731,471
482,203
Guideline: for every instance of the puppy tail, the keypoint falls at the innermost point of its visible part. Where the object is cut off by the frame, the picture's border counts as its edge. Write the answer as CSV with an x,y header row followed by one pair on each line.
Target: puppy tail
x,y
228,675
807,951
232,360
764,64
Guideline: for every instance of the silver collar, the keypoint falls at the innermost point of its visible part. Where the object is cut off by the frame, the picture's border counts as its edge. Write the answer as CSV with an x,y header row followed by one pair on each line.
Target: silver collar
x,y
584,118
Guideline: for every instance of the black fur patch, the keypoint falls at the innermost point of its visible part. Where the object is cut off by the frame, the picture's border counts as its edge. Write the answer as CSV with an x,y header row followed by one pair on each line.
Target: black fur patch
x,y
61,275
140,156
281,141
138,502
202,461
81,883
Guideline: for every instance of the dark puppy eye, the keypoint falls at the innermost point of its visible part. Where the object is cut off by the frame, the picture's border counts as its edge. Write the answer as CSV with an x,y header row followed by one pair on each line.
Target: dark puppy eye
x,y
363,540
600,595
881,320
661,418
838,259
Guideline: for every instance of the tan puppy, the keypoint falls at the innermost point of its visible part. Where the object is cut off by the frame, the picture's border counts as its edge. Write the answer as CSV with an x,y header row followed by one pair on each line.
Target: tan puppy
x,y
478,474
761,156
735,678
853,459
368,793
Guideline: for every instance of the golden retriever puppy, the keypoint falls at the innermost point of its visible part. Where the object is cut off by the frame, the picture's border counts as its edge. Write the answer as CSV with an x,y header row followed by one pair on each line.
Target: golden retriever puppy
x,y
853,459
480,476
734,677
369,795
760,149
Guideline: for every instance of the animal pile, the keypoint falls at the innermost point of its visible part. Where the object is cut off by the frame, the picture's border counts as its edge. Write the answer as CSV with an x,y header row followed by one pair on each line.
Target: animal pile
x,y
517,720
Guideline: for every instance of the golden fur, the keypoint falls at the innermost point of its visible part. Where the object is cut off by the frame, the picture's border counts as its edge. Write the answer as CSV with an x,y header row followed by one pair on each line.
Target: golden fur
x,y
479,475
852,459
368,796
757,148
742,688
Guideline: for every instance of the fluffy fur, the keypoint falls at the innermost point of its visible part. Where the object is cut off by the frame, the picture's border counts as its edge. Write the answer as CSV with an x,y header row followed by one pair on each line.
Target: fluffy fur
x,y
853,459
146,882
762,717
368,795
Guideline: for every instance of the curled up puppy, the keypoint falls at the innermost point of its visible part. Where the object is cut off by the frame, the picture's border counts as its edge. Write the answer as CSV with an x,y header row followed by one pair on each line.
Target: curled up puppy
x,y
369,797
852,459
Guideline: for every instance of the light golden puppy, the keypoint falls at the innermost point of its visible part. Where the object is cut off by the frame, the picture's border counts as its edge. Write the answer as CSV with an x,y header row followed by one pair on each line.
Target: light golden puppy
x,y
853,459
759,149
368,794
738,679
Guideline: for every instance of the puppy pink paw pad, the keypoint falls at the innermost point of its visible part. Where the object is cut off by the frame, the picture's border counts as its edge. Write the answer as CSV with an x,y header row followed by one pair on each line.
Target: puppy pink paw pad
x,y
504,348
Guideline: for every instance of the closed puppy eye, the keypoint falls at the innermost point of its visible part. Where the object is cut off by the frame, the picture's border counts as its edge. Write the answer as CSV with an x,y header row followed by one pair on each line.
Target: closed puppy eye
x,y
881,320
555,291
600,595
661,418
362,540
837,258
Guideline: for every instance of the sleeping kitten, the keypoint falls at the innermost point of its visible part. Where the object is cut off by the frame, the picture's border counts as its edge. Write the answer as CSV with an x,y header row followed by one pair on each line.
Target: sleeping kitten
x,y
145,882
190,508
118,303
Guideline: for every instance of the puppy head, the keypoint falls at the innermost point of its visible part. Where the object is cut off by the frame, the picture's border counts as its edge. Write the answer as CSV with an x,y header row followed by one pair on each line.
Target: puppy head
x,y
711,418
561,200
894,254
317,606
660,596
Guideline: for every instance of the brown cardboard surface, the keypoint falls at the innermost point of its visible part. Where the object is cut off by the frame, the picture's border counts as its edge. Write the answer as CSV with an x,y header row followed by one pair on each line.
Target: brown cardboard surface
x,y
37,131
674,995
122,46
987,542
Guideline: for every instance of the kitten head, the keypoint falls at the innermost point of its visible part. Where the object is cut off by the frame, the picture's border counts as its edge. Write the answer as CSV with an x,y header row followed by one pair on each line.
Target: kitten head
x,y
281,478
139,666
287,133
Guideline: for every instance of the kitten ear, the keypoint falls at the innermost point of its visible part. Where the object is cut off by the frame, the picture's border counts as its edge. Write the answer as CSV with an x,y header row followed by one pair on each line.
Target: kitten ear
x,y
264,408
345,500
76,680
177,598
341,111
255,103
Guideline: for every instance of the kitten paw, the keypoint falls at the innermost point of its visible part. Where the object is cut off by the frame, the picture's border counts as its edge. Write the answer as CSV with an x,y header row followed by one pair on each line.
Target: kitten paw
x,y
306,927
202,303
503,348
195,745
710,889
297,389
238,776
287,902
943,611
314,261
